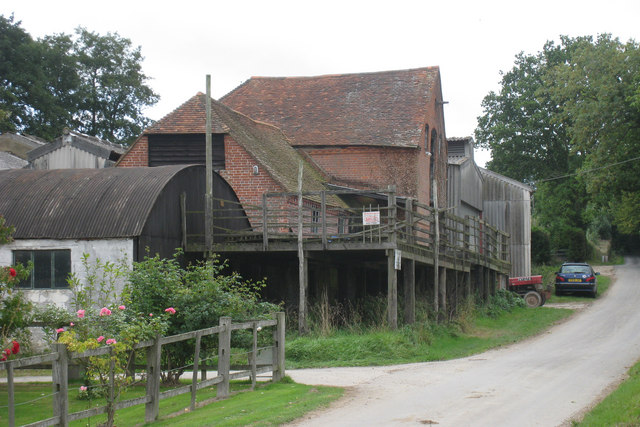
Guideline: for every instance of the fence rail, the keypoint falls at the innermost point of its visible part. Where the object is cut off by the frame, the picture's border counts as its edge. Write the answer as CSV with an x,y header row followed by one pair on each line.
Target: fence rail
x,y
61,358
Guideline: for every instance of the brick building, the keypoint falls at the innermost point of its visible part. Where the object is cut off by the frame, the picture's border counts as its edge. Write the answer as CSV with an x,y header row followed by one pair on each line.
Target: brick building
x,y
366,131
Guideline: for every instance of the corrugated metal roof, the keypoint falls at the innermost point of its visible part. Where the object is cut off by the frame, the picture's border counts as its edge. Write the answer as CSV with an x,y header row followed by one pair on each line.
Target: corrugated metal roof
x,y
81,203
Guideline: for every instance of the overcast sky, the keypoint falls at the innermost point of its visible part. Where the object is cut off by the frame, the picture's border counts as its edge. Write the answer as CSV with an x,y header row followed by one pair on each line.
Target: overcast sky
x,y
471,41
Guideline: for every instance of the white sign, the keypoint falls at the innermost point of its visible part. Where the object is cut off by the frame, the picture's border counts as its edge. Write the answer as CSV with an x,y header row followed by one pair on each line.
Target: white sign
x,y
371,218
398,259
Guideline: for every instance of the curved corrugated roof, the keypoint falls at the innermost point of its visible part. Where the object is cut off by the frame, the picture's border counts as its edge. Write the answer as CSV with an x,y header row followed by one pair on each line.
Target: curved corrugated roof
x,y
81,203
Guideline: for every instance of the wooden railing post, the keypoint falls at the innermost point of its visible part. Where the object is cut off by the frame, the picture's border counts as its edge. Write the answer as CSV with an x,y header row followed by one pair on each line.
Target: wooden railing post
x,y
152,407
392,211
323,214
194,377
224,355
278,348
60,377
410,232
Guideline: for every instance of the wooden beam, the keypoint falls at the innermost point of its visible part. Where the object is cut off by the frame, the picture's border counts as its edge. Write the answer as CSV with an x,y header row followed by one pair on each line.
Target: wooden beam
x,y
409,275
208,218
392,290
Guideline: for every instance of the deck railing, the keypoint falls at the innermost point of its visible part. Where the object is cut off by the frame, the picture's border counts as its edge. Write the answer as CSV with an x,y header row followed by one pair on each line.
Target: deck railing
x,y
399,222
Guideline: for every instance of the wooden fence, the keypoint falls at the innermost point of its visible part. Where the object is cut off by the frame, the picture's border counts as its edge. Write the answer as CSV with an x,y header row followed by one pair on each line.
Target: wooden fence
x,y
60,360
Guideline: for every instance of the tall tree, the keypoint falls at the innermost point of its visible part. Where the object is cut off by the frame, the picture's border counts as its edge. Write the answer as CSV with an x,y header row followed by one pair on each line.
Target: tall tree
x,y
90,83
598,91
113,90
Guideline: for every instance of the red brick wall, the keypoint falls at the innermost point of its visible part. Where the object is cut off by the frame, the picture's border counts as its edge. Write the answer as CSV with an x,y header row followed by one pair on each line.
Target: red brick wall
x,y
238,172
138,155
371,167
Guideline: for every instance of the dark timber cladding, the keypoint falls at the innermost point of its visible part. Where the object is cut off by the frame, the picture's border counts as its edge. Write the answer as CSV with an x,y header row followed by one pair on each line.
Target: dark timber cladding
x,y
171,149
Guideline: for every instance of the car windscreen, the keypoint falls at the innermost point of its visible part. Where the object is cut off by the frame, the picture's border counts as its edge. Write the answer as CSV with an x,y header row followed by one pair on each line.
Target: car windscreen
x,y
576,269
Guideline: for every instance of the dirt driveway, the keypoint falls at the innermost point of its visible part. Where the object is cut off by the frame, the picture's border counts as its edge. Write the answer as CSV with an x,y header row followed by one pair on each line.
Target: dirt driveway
x,y
545,381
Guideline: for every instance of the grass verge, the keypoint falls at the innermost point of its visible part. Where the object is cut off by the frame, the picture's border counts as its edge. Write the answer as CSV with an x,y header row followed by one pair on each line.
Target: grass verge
x,y
420,343
268,404
620,408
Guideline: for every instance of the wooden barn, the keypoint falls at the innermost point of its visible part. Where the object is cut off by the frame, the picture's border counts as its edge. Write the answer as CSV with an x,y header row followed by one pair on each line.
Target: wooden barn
x,y
369,215
112,214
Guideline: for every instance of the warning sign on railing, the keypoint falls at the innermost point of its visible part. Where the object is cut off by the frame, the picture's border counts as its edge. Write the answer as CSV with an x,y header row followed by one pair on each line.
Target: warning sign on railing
x,y
371,218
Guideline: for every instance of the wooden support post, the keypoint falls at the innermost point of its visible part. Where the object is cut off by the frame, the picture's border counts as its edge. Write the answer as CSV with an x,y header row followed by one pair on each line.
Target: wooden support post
x,y
194,376
467,279
152,408
208,214
60,384
278,348
442,290
224,355
303,277
392,290
436,248
253,356
409,274
323,215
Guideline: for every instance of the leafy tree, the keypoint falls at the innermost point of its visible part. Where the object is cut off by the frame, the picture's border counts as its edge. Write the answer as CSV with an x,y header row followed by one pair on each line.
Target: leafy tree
x,y
92,83
598,90
113,90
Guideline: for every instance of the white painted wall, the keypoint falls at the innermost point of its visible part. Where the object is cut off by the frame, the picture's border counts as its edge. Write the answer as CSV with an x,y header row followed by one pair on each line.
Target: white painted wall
x,y
106,250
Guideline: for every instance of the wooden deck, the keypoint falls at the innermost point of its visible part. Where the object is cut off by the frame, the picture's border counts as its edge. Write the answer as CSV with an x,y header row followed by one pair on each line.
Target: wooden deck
x,y
404,225
396,231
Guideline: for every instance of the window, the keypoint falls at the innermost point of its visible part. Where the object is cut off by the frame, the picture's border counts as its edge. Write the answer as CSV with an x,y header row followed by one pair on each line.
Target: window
x,y
50,268
426,138
315,218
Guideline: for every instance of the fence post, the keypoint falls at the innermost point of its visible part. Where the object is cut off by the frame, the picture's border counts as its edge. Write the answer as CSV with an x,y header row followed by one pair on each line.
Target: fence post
x,y
194,376
11,403
253,356
152,407
278,348
60,379
224,356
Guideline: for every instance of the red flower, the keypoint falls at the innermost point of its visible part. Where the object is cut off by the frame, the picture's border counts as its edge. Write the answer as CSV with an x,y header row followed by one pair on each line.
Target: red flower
x,y
7,352
16,347
3,358
12,272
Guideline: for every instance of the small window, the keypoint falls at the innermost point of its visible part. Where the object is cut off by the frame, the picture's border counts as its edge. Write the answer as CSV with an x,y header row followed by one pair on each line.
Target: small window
x,y
426,138
50,268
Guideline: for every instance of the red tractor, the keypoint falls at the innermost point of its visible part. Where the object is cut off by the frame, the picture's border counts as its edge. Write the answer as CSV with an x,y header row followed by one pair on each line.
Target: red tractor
x,y
530,288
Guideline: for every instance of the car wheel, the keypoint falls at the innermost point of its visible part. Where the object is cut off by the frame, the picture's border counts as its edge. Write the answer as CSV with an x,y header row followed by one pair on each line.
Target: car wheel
x,y
532,299
594,293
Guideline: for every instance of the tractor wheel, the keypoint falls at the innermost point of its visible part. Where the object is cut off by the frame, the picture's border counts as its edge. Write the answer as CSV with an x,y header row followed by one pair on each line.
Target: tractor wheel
x,y
533,299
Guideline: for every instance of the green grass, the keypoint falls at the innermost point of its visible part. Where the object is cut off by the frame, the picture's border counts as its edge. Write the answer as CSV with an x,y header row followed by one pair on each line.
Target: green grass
x,y
620,408
420,343
271,404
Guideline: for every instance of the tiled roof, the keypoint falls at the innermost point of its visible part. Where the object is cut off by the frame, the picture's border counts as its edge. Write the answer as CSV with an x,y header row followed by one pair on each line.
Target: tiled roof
x,y
385,108
266,143
190,117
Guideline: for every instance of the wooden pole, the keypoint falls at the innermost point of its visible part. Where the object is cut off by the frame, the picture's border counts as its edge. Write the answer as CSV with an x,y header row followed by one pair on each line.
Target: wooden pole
x,y
60,385
436,249
224,356
278,348
152,408
409,273
302,264
208,219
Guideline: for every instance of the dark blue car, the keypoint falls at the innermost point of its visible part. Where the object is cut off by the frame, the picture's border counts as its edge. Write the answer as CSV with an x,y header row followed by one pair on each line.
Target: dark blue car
x,y
576,277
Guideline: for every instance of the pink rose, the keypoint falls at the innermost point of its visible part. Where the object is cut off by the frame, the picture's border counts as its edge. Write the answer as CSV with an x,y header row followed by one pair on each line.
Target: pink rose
x,y
170,310
71,324
150,314
105,312
60,330
111,341
83,388
100,338
122,307
80,313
